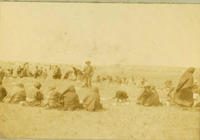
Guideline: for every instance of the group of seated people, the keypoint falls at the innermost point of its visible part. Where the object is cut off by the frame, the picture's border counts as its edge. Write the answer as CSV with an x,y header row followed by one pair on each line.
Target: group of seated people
x,y
187,93
68,100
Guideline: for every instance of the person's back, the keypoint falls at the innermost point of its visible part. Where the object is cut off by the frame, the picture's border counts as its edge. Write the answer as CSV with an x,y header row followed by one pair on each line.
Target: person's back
x,y
121,96
70,99
2,74
17,95
53,98
184,95
149,97
92,101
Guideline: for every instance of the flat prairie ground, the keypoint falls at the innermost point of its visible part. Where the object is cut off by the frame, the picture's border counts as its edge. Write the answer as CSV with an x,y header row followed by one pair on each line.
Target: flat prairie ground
x,y
116,121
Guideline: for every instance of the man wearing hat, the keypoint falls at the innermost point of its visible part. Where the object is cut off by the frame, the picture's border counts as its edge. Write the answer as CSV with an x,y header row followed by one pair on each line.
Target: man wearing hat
x,y
88,73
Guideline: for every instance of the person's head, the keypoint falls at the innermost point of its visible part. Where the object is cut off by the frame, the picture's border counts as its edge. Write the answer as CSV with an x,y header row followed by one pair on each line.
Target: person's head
x,y
87,62
168,83
71,88
37,85
190,70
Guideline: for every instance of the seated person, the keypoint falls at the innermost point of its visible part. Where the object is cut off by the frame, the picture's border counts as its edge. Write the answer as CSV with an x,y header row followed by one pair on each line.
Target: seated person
x,y
121,96
17,94
149,96
35,96
69,99
92,101
53,99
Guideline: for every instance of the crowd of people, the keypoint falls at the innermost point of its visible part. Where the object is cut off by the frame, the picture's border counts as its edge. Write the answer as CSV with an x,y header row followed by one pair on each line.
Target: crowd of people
x,y
186,93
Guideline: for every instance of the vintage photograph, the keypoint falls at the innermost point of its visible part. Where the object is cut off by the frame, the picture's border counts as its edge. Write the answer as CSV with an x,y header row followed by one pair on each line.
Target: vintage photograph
x,y
118,71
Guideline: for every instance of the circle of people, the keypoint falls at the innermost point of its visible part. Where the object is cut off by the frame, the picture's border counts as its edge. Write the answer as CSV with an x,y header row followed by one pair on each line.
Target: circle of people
x,y
186,93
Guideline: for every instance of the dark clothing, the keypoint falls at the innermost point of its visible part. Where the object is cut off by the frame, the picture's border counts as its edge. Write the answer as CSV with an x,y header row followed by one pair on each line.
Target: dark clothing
x,y
3,93
184,95
149,97
121,95
70,100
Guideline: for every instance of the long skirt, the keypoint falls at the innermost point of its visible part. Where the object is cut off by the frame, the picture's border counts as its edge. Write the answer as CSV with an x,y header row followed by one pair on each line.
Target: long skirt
x,y
184,97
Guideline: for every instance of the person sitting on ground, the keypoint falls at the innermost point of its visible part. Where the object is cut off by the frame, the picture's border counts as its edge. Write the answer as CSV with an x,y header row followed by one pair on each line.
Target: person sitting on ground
x,y
17,94
167,93
35,96
149,96
121,96
53,99
184,95
69,99
92,101
3,92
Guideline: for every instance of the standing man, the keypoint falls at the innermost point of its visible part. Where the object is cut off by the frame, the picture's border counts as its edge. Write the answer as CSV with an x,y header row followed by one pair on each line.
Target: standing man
x,y
88,73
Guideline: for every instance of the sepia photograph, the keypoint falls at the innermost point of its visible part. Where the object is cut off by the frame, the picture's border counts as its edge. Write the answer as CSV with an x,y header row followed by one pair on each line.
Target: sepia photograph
x,y
117,71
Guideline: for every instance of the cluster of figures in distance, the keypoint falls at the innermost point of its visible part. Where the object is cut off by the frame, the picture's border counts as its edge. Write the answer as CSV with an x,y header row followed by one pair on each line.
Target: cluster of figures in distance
x,y
186,93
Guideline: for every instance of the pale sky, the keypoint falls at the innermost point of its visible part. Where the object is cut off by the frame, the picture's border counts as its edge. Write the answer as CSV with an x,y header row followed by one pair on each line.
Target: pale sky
x,y
129,34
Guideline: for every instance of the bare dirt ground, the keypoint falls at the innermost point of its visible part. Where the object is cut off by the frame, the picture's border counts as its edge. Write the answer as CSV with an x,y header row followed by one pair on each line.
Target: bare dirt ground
x,y
117,121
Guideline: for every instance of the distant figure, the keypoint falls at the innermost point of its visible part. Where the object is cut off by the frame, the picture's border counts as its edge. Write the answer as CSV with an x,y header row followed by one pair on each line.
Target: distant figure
x,y
67,75
121,96
98,79
19,71
118,80
110,79
88,73
3,92
143,82
77,73
149,97
44,74
9,72
57,74
2,74
70,99
184,94
37,72
53,99
17,95
35,96
92,101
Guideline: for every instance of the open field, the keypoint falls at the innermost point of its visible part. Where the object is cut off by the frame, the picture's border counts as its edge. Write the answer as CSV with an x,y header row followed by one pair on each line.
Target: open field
x,y
117,121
